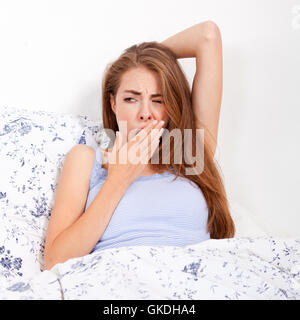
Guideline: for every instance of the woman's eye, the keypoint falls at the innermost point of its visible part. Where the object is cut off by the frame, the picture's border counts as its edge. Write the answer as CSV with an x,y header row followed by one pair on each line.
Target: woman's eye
x,y
127,99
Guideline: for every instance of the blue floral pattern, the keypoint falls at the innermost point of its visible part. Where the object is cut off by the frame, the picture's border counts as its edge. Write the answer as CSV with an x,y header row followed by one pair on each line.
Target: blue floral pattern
x,y
261,268
33,145
10,264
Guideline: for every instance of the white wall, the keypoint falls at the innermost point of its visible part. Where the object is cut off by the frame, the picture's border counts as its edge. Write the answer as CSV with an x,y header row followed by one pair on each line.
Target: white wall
x,y
53,54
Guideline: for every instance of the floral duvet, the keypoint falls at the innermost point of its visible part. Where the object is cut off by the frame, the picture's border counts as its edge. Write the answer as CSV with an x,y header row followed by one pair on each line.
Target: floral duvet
x,y
227,269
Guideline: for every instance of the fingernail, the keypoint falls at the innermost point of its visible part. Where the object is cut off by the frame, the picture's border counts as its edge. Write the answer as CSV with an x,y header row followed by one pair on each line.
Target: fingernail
x,y
154,122
162,122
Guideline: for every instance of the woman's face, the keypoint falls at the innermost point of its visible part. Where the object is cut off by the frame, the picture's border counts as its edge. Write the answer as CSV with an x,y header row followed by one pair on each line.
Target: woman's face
x,y
137,108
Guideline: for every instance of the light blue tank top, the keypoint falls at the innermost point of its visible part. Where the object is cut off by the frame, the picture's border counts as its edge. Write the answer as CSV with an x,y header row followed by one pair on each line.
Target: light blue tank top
x,y
154,210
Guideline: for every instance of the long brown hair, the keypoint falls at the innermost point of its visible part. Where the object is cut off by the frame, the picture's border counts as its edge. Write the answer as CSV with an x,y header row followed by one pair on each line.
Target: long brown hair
x,y
177,99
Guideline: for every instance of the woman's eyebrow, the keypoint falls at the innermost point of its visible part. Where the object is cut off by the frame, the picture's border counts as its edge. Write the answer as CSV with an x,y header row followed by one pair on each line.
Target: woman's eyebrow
x,y
139,93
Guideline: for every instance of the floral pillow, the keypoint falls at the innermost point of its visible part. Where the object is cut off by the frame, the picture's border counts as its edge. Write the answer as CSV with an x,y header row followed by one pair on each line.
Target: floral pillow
x,y
33,145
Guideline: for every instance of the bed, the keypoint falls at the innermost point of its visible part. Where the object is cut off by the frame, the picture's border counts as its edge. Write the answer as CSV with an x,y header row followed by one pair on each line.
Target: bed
x,y
252,265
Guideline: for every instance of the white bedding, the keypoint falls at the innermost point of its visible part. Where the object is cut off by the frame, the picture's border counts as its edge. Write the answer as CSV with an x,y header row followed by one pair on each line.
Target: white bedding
x,y
227,269
33,145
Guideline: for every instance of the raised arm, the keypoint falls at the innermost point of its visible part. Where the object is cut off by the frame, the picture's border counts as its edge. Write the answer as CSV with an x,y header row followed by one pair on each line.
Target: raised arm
x,y
203,41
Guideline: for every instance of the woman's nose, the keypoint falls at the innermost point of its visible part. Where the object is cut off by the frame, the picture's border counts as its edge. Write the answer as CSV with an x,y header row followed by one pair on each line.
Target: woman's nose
x,y
146,117
145,112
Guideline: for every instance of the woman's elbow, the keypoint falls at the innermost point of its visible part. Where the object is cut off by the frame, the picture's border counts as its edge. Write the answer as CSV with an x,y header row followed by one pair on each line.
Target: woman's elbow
x,y
211,30
49,262
47,265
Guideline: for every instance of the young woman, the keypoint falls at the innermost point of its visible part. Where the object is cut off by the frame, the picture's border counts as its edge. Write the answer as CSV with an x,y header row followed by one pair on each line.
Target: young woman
x,y
102,202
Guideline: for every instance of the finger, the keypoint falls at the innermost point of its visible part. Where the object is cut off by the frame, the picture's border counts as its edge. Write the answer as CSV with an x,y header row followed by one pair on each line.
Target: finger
x,y
141,141
142,147
140,136
155,143
148,144
146,132
147,153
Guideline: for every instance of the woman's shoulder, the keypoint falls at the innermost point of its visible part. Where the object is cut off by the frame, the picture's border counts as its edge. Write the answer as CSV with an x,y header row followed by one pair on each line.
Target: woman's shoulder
x,y
87,154
82,151
89,159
